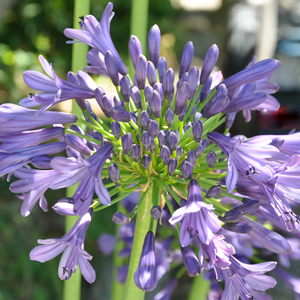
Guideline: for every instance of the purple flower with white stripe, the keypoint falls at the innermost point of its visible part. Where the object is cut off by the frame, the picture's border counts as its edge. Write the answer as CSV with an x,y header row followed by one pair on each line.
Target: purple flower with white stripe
x,y
72,246
197,218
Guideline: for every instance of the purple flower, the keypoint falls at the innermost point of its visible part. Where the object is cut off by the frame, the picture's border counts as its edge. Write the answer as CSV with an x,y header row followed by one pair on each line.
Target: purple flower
x,y
97,63
54,89
245,157
32,186
239,275
14,159
97,35
72,246
15,118
28,138
89,172
197,218
145,276
217,253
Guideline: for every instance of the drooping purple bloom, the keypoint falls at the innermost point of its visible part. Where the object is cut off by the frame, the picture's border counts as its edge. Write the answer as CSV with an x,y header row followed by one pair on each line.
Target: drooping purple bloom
x,y
32,185
197,218
145,275
97,35
245,157
89,171
54,89
240,274
72,246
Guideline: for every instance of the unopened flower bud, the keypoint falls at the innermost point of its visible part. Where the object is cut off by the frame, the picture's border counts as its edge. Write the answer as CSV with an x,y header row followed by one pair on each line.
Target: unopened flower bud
x,y
214,191
191,261
113,172
169,116
125,88
156,212
191,157
120,114
187,169
116,129
155,104
161,138
120,219
236,213
154,44
146,160
172,166
135,49
209,63
181,97
144,119
153,128
179,151
107,102
141,71
159,88
162,68
135,94
202,147
173,141
136,152
211,159
241,227
151,73
145,276
152,146
112,67
193,80
146,139
165,154
186,58
182,114
127,141
148,93
197,131
168,83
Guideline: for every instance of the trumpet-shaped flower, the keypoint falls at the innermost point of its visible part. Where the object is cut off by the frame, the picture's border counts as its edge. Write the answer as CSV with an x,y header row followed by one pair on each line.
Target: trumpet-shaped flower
x,y
72,246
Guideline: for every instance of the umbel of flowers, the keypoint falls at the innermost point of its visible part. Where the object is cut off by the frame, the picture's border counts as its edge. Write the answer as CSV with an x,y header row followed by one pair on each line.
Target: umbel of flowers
x,y
159,137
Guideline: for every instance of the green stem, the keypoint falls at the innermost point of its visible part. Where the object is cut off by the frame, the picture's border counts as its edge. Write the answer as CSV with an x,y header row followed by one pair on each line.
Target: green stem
x,y
141,229
118,288
72,287
200,288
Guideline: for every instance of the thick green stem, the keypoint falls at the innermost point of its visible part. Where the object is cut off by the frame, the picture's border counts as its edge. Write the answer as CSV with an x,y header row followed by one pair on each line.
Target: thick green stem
x,y
141,228
200,288
72,287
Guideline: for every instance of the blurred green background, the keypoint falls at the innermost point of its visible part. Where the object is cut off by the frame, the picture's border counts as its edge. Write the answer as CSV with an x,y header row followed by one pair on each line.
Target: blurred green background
x,y
29,28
